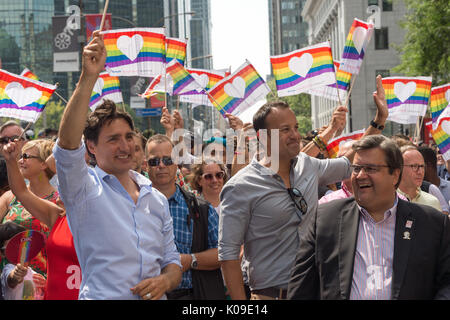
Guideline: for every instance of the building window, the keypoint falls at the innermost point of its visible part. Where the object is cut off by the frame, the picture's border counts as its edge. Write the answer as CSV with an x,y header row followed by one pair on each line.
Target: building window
x,y
381,39
383,73
387,5
372,3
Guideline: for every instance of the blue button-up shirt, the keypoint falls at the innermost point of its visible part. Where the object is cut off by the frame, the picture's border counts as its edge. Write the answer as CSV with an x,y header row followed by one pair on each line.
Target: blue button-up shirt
x,y
183,232
119,243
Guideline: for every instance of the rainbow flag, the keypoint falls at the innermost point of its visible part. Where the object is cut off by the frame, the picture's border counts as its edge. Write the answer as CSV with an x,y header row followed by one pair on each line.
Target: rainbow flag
x,y
27,73
182,81
206,79
442,138
25,246
23,98
334,144
439,102
135,52
301,70
176,49
407,97
355,45
239,91
157,85
329,91
106,87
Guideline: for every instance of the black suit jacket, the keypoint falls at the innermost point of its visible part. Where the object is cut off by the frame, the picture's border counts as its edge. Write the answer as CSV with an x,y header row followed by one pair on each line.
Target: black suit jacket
x,y
324,264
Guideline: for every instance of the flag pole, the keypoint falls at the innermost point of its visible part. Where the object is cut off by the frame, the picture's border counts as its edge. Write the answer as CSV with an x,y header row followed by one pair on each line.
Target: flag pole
x,y
25,130
178,101
350,91
335,77
59,96
105,9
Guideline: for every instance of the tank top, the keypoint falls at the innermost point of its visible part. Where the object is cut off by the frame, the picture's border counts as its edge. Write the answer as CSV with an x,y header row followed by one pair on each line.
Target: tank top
x,y
63,269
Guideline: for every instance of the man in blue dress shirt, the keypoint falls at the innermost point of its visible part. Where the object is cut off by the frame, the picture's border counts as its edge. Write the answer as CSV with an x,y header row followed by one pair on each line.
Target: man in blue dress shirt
x,y
121,225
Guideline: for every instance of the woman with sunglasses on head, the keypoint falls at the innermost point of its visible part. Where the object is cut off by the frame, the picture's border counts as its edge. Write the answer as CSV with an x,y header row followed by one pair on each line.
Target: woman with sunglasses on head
x,y
33,168
208,179
64,273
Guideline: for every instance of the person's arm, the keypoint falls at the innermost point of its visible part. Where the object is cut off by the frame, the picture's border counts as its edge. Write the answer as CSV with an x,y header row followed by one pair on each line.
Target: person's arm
x,y
5,200
17,275
75,113
45,211
442,278
380,117
206,260
168,280
232,274
338,120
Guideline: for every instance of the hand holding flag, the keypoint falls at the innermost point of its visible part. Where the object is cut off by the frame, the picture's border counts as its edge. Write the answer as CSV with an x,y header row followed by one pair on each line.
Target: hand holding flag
x,y
94,56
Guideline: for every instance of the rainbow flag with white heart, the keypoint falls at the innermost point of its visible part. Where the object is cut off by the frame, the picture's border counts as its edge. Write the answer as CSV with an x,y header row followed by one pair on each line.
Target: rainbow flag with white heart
x,y
106,87
358,37
329,91
27,73
407,97
304,69
206,79
176,49
23,98
238,91
135,52
440,113
439,104
334,144
157,85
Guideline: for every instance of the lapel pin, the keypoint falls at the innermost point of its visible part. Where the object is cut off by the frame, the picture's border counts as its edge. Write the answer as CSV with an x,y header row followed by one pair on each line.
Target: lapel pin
x,y
406,235
409,224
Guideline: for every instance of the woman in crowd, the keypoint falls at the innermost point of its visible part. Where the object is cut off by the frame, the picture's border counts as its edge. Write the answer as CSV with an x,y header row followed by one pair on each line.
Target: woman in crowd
x,y
208,179
64,274
35,170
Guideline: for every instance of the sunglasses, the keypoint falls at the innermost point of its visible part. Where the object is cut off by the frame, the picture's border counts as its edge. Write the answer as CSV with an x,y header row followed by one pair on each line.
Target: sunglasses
x,y
5,140
298,199
209,176
27,156
154,162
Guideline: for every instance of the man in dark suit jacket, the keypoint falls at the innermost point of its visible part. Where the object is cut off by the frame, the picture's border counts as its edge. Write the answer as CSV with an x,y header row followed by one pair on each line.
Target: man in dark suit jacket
x,y
341,244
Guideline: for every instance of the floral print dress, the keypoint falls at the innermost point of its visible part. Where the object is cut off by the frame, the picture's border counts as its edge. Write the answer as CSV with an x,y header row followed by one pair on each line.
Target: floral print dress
x,y
18,214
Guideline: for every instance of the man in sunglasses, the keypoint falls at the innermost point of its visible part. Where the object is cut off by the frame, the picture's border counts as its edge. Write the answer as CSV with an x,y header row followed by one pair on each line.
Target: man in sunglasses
x,y
263,204
121,225
412,178
11,131
373,246
162,172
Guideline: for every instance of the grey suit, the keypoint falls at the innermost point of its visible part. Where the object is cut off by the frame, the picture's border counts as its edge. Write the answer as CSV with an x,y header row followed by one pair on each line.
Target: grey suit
x,y
324,263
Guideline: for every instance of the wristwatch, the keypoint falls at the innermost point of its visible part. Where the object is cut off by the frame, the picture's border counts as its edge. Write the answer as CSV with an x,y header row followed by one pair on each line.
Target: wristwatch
x,y
376,126
194,261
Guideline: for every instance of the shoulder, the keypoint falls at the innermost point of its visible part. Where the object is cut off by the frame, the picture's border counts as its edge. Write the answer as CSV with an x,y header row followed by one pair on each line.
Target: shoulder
x,y
337,204
421,211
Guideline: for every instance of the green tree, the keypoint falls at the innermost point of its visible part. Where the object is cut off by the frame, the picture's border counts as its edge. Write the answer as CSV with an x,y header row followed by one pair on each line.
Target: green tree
x,y
426,47
53,111
300,104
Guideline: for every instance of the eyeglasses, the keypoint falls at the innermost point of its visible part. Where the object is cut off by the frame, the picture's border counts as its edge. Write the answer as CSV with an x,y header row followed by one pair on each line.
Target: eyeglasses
x,y
209,176
5,140
154,162
27,156
298,199
369,169
415,167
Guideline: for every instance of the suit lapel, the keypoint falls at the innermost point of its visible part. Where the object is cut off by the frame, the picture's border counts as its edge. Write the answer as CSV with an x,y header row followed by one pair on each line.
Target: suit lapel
x,y
403,241
347,245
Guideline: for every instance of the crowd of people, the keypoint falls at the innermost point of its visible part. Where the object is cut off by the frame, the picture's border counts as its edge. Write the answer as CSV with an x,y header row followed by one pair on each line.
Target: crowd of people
x,y
126,217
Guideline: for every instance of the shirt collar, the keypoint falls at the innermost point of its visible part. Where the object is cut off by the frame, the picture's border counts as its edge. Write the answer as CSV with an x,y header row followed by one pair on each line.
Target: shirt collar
x,y
177,196
140,180
387,214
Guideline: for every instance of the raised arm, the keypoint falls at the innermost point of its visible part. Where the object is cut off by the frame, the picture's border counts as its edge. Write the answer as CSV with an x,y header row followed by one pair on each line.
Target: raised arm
x,y
74,117
380,117
45,211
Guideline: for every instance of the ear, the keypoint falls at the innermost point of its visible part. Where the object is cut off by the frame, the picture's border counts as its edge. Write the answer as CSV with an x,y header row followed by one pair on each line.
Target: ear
x,y
397,176
90,145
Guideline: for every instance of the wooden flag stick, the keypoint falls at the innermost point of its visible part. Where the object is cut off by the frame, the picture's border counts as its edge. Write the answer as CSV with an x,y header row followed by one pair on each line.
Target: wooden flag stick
x,y
350,91
59,96
25,130
178,101
105,9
